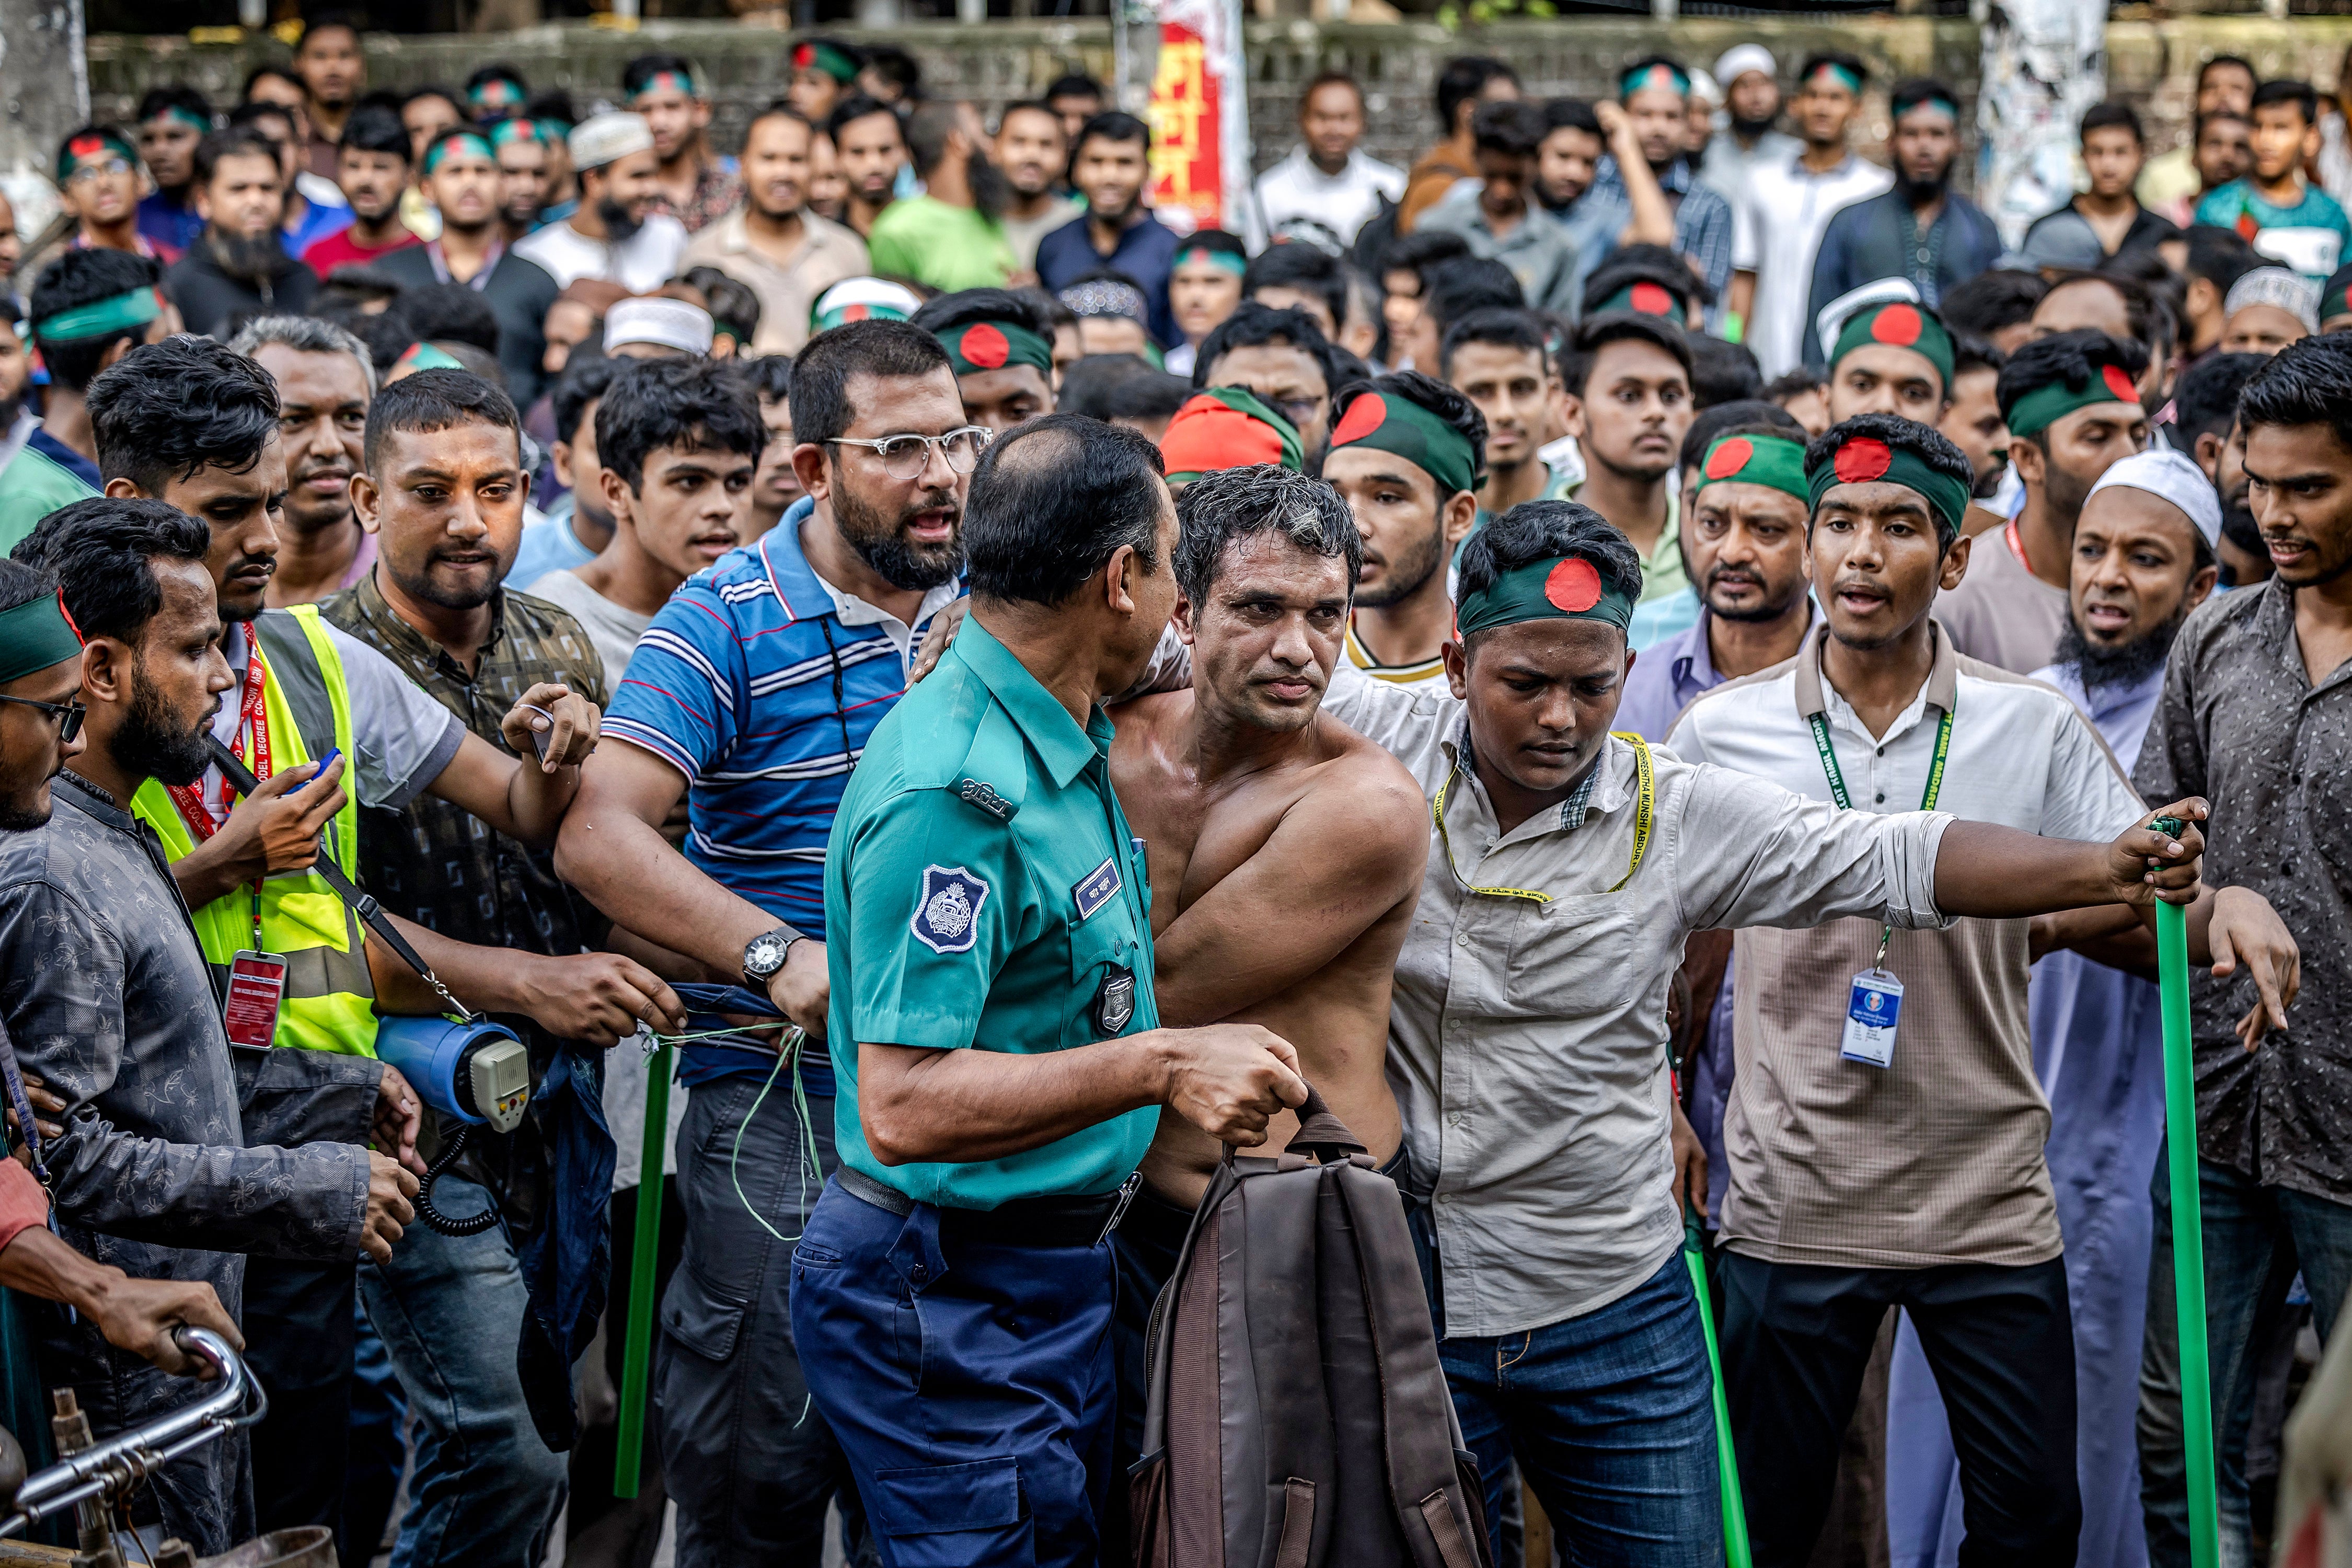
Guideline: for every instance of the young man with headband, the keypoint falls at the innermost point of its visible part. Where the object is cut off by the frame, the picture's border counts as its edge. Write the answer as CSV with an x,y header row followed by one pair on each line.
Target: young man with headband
x,y
1558,1238
1203,289
1226,427
1002,350
1895,358
1907,1167
1655,94
691,182
100,175
1405,456
171,121
823,72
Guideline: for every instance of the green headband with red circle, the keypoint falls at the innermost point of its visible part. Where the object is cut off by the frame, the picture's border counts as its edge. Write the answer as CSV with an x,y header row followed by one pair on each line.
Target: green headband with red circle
x,y
462,141
1865,459
677,81
1387,422
977,346
1558,589
93,144
1777,462
1900,324
2045,406
826,58
1227,428
1644,297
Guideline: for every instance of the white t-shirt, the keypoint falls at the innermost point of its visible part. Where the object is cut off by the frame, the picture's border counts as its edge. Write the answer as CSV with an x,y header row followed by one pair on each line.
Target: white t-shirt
x,y
403,735
1776,236
1298,199
613,628
642,263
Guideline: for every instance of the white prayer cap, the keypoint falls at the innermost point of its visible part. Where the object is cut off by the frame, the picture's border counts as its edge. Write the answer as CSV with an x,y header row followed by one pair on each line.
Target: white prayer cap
x,y
670,323
1704,89
2161,471
606,138
1740,58
862,299
2289,291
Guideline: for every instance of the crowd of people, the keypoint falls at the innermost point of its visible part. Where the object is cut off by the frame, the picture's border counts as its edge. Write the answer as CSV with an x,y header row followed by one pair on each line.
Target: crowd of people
x,y
1546,648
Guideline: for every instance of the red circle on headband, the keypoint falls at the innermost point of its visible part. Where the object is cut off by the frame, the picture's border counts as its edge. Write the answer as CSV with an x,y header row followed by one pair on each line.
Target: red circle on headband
x,y
1364,416
1730,458
805,55
1899,325
1861,459
984,346
855,312
1573,585
1651,299
2120,384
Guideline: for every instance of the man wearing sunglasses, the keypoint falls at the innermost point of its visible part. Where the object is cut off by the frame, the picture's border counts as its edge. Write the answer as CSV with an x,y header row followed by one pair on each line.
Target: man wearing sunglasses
x,y
758,685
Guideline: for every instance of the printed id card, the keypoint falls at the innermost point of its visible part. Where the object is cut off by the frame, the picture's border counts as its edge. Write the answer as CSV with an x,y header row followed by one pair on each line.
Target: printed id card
x,y
257,985
1871,1015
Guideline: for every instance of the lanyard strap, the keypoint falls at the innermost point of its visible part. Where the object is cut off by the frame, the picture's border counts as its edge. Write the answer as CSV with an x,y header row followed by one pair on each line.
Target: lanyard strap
x,y
22,1104
1926,799
253,719
1645,822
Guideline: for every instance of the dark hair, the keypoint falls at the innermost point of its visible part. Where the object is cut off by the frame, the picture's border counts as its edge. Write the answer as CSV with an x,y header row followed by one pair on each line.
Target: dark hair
x,y
447,95
734,307
2300,93
2205,400
163,411
473,359
770,376
2144,316
1324,78
681,405
1657,264
249,117
1111,126
644,68
79,277
1838,57
553,103
1792,383
1461,79
238,141
283,73
1295,264
889,350
1925,442
2100,116
584,381
2156,322
1227,505
1217,241
2219,256
447,313
1121,387
950,311
1721,371
928,130
1430,394
1502,329
1253,325
2072,357
501,71
21,584
1992,301
1537,530
896,66
2234,62
1031,106
781,109
1072,84
1910,94
436,400
1051,502
1420,251
1056,314
857,106
372,128
1596,333
1746,417
351,22
1571,114
1512,127
103,550
1452,290
1972,352
174,95
2309,381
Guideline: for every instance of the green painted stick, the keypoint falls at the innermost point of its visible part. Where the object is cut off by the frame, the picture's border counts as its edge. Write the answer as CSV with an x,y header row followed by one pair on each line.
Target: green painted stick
x,y
1735,1513
2188,1231
645,1259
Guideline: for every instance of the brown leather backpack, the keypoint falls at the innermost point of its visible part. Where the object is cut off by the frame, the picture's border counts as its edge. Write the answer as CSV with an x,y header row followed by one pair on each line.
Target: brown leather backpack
x,y
1298,1417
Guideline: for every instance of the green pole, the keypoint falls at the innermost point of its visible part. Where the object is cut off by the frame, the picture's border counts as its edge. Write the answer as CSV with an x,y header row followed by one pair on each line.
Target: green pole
x,y
2188,1231
1735,1513
645,1259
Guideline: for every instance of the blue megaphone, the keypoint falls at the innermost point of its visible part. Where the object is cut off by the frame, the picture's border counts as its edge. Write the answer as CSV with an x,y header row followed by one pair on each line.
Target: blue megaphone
x,y
479,1072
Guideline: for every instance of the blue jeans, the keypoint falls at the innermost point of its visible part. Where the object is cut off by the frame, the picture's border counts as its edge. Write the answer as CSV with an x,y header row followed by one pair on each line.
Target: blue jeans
x,y
485,1490
1611,1416
2257,1239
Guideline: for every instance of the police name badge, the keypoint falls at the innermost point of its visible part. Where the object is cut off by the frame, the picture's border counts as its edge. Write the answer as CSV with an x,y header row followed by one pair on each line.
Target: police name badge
x,y
1096,887
1871,1012
947,909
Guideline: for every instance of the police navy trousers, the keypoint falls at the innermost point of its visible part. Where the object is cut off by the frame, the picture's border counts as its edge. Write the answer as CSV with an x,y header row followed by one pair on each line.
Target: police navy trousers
x,y
970,1386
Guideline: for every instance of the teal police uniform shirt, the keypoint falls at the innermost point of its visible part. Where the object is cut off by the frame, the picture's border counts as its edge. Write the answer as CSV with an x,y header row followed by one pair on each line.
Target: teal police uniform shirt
x,y
982,889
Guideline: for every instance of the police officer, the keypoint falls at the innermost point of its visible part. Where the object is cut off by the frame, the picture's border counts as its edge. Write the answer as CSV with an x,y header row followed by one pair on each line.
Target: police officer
x,y
993,1033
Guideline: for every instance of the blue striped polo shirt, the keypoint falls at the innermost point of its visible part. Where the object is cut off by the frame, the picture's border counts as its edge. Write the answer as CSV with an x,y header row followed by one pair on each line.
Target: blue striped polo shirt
x,y
761,684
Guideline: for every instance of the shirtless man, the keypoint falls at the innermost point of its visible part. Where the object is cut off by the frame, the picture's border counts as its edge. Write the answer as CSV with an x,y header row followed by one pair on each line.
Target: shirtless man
x,y
1285,851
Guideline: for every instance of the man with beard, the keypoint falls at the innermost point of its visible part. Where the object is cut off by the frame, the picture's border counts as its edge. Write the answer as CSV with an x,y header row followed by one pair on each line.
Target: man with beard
x,y
372,164
757,685
523,157
89,309
1921,229
171,121
325,380
1203,289
870,146
786,253
615,236
166,1160
950,237
690,185
461,174
1002,350
2072,408
314,206
1033,152
2142,559
1110,166
1654,95
1405,456
2205,426
238,267
332,70
1750,80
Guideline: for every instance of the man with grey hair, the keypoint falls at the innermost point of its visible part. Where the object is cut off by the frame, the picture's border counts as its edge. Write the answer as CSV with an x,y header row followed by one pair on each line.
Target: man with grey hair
x,y
1285,850
325,382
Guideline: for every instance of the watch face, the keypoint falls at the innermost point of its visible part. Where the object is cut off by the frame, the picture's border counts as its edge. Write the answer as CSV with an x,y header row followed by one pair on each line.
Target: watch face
x,y
764,955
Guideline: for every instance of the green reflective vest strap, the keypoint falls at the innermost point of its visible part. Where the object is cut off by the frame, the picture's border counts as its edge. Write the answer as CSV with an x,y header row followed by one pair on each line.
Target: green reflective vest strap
x,y
329,999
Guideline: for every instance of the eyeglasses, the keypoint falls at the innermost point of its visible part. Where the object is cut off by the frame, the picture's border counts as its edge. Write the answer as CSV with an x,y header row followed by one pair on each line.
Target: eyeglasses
x,y
67,714
905,457
89,172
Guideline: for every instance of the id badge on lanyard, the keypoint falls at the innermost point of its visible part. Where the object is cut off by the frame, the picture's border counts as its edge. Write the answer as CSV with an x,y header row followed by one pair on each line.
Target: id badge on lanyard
x,y
1872,1012
256,990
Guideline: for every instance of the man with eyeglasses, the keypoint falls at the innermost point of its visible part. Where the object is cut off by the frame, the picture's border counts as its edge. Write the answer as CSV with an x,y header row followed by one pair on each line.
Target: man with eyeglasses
x,y
757,685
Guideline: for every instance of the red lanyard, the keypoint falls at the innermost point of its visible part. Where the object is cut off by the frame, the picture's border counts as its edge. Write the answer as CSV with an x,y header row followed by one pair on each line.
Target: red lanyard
x,y
254,720
2016,544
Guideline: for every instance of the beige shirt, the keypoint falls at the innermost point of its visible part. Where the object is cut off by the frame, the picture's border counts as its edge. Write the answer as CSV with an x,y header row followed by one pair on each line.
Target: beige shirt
x,y
2002,613
1528,1041
828,253
1936,1158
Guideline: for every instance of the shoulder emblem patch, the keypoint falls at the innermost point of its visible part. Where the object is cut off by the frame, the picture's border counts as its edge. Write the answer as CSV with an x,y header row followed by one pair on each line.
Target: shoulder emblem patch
x,y
947,909
979,792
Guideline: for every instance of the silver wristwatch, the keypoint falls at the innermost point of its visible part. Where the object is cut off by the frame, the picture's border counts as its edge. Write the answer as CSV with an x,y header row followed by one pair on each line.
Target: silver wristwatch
x,y
764,955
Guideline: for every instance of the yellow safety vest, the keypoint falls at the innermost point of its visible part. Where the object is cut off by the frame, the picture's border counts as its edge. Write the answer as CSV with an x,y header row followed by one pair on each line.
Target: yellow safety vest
x,y
329,1004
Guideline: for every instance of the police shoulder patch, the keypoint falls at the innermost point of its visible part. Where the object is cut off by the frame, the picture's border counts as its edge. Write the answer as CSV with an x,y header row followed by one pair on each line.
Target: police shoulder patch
x,y
981,795
947,909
